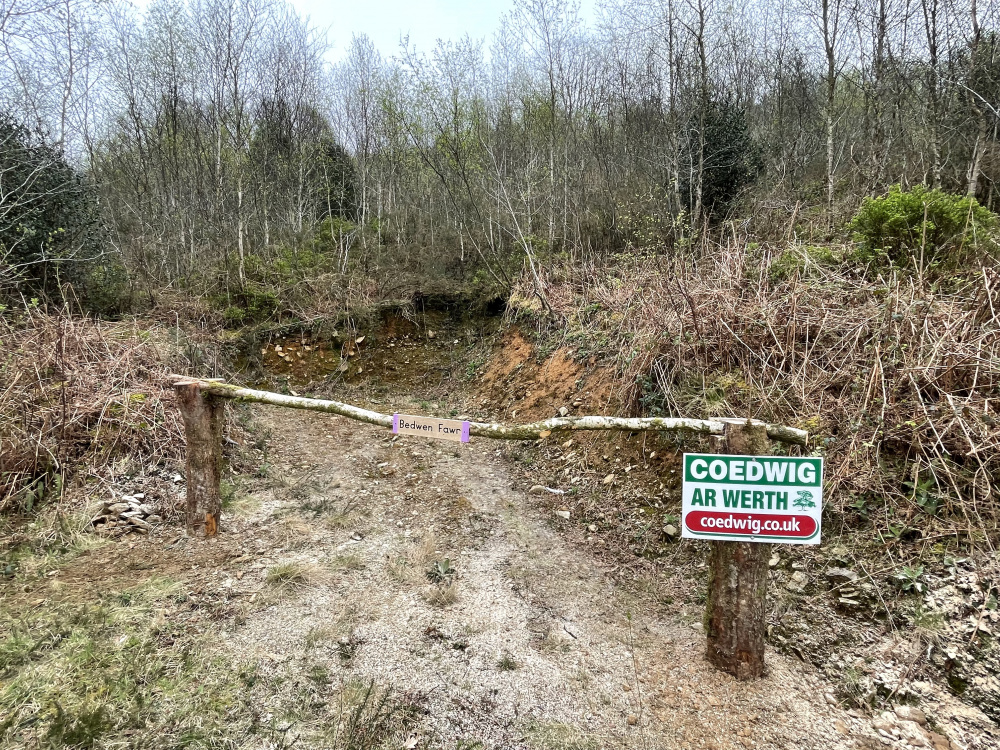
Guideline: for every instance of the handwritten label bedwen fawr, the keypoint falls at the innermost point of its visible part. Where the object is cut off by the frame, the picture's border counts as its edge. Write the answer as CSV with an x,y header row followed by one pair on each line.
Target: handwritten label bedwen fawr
x,y
430,427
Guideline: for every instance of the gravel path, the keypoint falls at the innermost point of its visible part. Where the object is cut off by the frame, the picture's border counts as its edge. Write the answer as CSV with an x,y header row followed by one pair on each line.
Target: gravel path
x,y
525,642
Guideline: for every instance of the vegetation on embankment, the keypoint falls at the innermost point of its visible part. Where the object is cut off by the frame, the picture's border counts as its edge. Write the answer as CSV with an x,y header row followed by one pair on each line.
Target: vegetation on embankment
x,y
78,397
895,375
882,346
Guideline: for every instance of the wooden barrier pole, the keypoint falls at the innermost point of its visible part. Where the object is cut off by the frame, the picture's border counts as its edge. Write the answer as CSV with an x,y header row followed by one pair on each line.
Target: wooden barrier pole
x,y
736,613
535,431
203,423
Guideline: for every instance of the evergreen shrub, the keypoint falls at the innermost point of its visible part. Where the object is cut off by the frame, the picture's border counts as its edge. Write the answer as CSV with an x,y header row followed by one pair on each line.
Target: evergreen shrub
x,y
922,225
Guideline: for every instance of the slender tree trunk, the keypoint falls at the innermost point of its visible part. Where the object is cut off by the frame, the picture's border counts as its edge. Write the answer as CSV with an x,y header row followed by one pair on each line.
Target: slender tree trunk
x,y
699,176
830,22
736,614
239,229
979,145
930,10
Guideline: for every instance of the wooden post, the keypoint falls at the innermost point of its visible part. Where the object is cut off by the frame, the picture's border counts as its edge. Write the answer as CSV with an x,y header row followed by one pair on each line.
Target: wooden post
x,y
736,614
203,422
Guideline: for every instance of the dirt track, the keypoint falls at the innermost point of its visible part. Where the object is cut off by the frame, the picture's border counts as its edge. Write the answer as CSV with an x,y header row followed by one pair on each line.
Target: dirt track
x,y
539,648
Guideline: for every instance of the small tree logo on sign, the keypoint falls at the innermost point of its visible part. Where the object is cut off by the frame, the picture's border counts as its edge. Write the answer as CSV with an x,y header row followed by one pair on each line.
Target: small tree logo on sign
x,y
752,498
804,500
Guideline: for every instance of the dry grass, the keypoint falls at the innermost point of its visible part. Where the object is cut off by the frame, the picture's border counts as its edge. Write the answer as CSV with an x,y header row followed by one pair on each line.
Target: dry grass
x,y
86,399
441,594
294,532
293,574
346,561
551,735
75,393
321,635
896,378
412,566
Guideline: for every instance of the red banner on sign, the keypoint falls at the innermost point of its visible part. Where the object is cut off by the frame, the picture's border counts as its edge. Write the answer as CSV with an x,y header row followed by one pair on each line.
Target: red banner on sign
x,y
750,524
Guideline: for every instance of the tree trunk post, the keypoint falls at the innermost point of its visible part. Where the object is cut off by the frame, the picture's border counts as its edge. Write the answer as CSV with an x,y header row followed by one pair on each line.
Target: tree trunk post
x,y
736,613
203,422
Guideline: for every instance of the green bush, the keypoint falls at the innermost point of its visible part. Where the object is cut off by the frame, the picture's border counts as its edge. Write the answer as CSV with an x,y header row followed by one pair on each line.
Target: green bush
x,y
252,304
49,217
903,225
106,289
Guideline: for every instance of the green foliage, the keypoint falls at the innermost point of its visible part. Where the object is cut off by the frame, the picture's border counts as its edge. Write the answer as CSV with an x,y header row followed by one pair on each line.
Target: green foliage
x,y
441,571
253,304
732,158
325,243
48,221
106,287
923,493
646,220
908,579
924,226
803,260
47,487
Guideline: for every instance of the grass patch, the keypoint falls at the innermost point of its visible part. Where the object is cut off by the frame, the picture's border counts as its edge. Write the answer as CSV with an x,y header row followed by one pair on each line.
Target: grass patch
x,y
507,662
294,532
412,565
293,574
370,716
348,562
319,635
236,502
441,595
88,675
55,538
554,735
123,671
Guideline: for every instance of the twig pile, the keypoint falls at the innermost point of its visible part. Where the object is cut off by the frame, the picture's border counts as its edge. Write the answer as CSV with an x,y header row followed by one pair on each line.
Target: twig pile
x,y
76,394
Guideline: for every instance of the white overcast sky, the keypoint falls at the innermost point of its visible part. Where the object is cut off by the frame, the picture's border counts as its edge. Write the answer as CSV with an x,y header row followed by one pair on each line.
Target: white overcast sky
x,y
426,21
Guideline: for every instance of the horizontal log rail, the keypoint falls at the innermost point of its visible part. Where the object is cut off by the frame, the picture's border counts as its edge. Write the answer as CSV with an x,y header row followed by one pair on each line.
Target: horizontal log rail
x,y
532,431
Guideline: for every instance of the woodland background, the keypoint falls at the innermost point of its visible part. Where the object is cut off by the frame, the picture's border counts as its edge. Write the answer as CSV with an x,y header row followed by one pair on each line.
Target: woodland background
x,y
209,147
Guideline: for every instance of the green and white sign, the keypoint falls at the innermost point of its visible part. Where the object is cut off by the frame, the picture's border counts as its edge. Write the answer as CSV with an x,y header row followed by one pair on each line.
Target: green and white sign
x,y
752,498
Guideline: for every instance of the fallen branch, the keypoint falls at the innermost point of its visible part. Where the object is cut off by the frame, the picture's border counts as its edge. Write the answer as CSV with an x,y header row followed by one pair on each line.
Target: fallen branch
x,y
533,431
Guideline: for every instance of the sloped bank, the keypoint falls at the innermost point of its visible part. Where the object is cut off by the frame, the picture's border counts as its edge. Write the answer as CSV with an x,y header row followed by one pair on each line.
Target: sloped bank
x,y
895,613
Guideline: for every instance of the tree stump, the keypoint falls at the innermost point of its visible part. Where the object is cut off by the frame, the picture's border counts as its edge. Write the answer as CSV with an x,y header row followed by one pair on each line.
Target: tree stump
x,y
203,423
736,613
